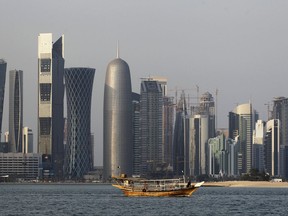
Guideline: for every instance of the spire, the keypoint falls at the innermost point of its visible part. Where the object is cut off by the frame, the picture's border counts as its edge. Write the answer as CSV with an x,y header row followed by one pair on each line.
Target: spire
x,y
117,54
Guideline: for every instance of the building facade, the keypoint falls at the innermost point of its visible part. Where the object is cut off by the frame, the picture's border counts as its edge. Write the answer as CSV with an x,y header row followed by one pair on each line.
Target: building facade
x,y
117,120
27,140
280,111
15,110
151,113
3,66
258,145
272,147
136,134
50,104
78,157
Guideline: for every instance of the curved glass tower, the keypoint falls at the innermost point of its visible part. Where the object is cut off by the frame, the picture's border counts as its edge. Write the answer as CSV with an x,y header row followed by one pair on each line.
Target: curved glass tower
x,y
15,110
117,120
78,157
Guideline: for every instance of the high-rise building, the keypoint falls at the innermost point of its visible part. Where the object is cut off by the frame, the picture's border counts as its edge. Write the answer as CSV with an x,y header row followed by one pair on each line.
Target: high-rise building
x,y
272,147
27,140
78,157
117,120
280,111
151,113
217,153
241,123
136,134
3,66
15,110
180,143
50,104
258,145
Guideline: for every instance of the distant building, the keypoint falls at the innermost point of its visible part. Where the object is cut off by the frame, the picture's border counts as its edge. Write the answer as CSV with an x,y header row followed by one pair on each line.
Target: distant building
x,y
27,140
272,147
21,166
258,145
3,66
241,124
4,147
117,120
50,104
136,134
15,110
216,158
78,157
280,111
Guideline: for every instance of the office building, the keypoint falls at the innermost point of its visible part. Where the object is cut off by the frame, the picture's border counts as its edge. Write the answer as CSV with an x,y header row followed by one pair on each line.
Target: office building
x,y
3,66
78,157
27,140
50,104
241,123
280,111
15,110
21,166
217,154
136,134
258,145
117,120
272,147
151,113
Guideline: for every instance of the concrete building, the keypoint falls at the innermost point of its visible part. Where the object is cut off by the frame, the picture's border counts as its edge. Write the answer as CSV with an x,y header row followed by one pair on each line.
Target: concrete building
x,y
21,166
15,110
117,120
3,66
50,104
78,157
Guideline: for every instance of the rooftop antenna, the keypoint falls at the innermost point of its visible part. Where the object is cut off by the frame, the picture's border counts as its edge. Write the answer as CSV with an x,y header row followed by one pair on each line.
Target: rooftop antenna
x,y
117,54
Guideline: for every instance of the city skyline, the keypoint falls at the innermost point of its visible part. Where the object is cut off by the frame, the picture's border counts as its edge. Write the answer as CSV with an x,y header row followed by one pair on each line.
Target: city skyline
x,y
238,47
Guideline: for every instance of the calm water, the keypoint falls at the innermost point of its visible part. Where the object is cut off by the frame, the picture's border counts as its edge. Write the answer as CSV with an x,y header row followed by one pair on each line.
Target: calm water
x,y
89,199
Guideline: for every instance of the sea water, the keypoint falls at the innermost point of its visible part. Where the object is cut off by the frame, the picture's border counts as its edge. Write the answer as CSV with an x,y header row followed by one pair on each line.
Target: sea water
x,y
98,199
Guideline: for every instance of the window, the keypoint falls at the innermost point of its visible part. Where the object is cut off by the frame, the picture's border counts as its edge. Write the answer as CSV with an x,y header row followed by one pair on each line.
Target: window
x,y
45,65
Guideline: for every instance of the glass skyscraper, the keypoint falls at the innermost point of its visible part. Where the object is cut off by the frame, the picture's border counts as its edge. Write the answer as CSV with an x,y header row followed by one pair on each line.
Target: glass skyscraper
x,y
15,110
50,104
117,120
3,66
78,157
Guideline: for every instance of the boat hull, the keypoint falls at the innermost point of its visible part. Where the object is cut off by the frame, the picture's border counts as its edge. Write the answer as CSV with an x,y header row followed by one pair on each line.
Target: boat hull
x,y
170,193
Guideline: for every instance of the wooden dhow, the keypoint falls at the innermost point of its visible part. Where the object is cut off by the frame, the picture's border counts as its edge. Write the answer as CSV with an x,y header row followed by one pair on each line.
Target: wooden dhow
x,y
155,188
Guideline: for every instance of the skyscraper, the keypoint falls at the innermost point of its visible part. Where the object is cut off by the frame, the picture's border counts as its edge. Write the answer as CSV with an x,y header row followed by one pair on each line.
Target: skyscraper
x,y
117,120
136,134
78,157
151,109
258,145
241,123
15,110
27,140
50,103
280,111
3,66
272,147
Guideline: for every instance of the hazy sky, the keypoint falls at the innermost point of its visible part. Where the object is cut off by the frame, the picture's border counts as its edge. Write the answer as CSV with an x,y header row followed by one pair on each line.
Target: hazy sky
x,y
239,47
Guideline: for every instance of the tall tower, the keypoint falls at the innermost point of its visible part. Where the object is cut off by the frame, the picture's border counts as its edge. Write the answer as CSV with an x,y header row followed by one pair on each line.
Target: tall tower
x,y
280,111
241,123
79,85
15,110
151,109
3,66
117,120
50,103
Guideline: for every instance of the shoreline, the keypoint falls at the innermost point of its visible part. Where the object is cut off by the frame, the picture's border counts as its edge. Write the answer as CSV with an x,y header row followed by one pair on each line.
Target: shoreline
x,y
264,184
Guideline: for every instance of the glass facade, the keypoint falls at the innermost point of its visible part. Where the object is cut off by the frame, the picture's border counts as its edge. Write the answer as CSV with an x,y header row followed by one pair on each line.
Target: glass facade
x,y
78,157
3,66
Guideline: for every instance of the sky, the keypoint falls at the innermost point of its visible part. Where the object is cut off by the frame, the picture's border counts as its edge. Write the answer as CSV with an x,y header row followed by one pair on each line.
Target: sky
x,y
239,47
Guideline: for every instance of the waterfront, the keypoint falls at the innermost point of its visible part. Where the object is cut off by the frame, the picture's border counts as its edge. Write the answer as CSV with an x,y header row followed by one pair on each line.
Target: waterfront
x,y
97,199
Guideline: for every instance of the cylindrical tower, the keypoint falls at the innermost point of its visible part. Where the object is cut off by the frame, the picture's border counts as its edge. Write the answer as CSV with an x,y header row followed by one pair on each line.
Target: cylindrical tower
x,y
78,157
117,120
